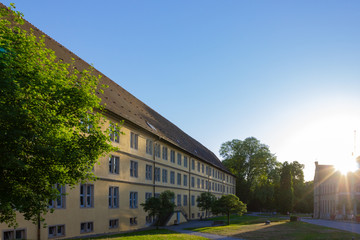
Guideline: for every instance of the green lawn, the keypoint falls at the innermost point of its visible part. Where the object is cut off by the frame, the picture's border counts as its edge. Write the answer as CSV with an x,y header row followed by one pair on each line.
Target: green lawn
x,y
161,234
252,227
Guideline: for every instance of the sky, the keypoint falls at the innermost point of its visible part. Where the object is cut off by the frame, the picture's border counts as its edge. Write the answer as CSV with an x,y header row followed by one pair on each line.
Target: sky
x,y
285,72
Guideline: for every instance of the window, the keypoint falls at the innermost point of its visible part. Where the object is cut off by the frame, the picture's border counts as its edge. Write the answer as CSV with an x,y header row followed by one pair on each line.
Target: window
x,y
185,161
157,174
185,200
149,147
165,153
198,168
133,169
86,195
148,219
172,156
134,140
56,231
179,179
157,150
192,164
185,180
192,182
14,234
202,183
59,202
172,177
202,168
133,199
213,188
114,164
178,202
209,173
113,197
206,185
192,200
148,172
148,195
198,183
164,176
86,227
114,133
133,221
179,159
113,223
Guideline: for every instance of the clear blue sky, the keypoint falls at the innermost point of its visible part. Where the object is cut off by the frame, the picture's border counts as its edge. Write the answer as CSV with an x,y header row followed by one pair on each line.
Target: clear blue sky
x,y
285,72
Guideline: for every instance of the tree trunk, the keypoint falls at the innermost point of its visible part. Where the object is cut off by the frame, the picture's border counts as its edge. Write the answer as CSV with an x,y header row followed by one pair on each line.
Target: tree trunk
x,y
38,227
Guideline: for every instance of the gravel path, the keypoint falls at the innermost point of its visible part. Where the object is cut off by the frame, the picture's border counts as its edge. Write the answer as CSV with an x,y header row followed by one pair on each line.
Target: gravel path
x,y
346,226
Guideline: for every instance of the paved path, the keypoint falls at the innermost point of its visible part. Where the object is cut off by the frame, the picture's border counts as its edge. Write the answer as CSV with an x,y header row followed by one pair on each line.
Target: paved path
x,y
197,224
346,226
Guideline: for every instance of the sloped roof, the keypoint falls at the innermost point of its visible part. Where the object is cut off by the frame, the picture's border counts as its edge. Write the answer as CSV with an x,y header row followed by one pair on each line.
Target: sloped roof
x,y
122,103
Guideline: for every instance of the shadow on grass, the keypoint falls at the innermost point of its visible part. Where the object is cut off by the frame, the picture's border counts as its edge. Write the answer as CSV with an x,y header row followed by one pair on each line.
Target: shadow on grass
x,y
133,234
253,227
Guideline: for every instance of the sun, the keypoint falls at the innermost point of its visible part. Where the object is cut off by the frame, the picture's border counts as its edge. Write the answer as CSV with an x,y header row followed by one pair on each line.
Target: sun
x,y
346,166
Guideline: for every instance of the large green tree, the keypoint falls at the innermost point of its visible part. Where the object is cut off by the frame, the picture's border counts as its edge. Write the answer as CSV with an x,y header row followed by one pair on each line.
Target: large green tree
x,y
160,207
286,190
205,201
228,204
50,122
255,168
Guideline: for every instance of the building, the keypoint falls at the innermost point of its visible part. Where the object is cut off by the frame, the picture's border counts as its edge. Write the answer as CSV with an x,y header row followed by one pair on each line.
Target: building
x,y
336,196
154,155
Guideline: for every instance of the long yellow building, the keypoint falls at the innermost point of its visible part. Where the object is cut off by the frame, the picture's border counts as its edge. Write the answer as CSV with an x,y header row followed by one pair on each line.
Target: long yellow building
x,y
154,155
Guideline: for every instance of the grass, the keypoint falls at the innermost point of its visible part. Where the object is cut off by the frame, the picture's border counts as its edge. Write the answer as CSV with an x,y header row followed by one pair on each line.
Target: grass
x,y
161,234
253,227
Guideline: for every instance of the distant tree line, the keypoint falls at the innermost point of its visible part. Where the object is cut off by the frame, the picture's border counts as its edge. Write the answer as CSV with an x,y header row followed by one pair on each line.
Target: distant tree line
x,y
263,183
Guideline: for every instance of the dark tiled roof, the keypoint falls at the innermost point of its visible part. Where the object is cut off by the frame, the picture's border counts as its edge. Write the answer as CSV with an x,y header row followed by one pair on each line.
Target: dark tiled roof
x,y
125,105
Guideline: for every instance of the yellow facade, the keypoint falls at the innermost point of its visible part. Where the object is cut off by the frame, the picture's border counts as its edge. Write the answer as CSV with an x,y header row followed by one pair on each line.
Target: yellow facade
x,y
126,177
73,220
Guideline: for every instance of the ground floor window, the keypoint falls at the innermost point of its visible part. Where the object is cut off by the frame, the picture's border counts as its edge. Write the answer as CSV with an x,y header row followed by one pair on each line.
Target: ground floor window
x,y
14,234
113,223
133,221
86,227
56,231
148,219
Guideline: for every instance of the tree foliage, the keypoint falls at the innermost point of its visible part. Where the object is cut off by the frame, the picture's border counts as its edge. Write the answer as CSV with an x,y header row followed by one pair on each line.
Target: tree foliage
x,y
160,207
205,201
254,165
229,204
259,174
50,122
286,190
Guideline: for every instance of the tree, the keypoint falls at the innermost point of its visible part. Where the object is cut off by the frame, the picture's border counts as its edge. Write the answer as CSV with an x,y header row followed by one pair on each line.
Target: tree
x,y
50,122
286,190
229,204
160,207
253,164
206,201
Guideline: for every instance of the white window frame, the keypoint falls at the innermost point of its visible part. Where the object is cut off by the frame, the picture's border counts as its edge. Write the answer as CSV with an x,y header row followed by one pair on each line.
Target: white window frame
x,y
13,233
114,164
113,197
87,195
133,200
134,168
134,141
149,146
148,172
88,227
113,223
59,202
56,231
